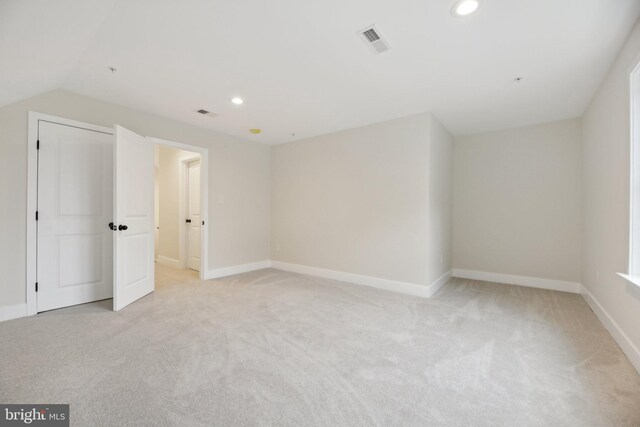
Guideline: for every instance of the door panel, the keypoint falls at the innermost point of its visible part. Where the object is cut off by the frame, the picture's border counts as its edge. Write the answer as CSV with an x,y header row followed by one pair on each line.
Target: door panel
x,y
156,211
75,205
81,258
193,206
134,206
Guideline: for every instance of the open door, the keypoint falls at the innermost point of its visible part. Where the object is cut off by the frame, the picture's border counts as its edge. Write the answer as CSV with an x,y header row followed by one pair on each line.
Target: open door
x,y
134,218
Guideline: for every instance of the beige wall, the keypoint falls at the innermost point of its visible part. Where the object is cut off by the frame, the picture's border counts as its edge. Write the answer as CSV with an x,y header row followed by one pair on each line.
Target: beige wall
x,y
169,180
239,173
357,201
517,201
606,130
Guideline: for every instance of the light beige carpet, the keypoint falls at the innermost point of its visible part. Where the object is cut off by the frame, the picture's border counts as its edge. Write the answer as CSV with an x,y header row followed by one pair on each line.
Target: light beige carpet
x,y
274,348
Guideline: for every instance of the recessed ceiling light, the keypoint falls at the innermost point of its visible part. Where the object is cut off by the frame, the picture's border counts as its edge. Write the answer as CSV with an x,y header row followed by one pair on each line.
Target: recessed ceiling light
x,y
237,100
465,7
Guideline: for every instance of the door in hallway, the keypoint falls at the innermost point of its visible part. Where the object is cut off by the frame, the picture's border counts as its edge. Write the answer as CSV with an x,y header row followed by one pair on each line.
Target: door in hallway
x,y
194,219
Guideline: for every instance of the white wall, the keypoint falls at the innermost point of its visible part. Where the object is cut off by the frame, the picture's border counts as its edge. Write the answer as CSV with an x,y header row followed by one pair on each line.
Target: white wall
x,y
170,179
239,172
606,145
357,201
517,202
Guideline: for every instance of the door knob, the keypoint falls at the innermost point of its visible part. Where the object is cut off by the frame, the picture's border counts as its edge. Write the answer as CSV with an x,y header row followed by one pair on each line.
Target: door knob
x,y
122,227
189,221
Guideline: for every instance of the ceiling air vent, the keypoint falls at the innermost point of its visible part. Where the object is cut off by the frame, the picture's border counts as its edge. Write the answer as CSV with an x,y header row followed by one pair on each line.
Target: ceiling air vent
x,y
206,113
374,39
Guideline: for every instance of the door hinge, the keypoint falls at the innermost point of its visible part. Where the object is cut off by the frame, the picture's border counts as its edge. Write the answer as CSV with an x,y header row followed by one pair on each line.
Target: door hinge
x,y
202,222
36,286
36,215
37,144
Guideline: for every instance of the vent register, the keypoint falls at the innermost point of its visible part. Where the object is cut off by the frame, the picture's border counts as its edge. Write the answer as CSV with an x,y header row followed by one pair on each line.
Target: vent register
x,y
206,113
372,37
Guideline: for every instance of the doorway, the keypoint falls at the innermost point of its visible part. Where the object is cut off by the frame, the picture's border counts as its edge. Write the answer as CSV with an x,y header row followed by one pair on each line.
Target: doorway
x,y
91,212
179,217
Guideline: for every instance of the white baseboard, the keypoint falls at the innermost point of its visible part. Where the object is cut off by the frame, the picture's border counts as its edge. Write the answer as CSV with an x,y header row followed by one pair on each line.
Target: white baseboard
x,y
358,279
509,279
9,312
628,347
169,262
440,282
236,269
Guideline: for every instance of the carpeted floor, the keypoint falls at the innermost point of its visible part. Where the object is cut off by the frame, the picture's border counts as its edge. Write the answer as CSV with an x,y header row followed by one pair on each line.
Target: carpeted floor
x,y
275,348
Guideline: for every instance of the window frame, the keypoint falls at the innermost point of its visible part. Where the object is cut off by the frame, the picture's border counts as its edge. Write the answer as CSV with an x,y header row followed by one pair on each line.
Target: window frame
x,y
633,268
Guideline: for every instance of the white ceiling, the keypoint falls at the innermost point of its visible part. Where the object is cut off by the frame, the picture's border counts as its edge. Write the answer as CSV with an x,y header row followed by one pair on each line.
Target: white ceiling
x,y
302,69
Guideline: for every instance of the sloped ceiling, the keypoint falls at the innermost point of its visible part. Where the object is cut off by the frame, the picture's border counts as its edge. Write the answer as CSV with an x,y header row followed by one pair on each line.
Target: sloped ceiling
x,y
303,70
41,43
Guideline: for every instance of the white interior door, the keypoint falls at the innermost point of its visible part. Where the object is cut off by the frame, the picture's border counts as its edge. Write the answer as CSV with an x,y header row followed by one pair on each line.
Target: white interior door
x,y
193,214
75,206
134,214
156,212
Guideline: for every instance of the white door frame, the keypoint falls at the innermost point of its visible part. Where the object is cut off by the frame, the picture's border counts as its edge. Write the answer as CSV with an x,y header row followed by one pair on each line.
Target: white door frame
x,y
204,201
32,196
183,196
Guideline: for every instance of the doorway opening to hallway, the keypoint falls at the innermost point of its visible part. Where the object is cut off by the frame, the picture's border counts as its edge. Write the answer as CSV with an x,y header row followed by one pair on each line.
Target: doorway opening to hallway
x,y
178,216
